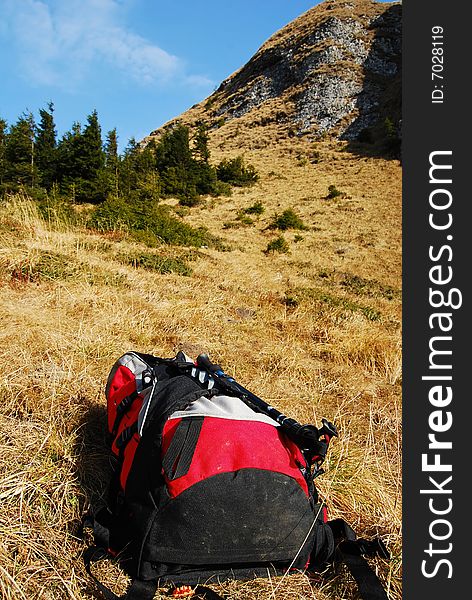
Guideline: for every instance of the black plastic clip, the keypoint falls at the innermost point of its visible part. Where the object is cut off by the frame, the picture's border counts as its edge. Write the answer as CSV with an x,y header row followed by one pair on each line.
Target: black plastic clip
x,y
374,547
328,429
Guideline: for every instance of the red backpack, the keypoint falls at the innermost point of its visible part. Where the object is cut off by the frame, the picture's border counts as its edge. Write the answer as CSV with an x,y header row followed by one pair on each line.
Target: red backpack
x,y
210,482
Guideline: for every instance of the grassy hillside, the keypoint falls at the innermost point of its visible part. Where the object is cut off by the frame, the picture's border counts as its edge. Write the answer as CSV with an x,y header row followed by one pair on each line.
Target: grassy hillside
x,y
314,330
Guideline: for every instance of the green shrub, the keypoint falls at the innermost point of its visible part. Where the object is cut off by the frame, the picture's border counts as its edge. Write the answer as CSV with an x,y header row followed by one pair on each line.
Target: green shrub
x,y
333,192
235,172
279,244
244,219
148,223
389,128
344,304
369,287
256,209
46,266
42,266
287,220
222,189
115,214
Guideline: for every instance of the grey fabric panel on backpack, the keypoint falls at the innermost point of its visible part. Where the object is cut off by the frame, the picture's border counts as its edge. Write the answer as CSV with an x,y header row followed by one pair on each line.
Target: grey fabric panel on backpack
x,y
222,407
136,365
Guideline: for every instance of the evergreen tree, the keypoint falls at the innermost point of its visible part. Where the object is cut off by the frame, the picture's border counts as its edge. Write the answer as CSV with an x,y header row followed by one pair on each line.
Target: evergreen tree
x,y
3,138
204,173
128,175
46,147
148,177
205,178
139,177
81,162
111,150
112,161
145,158
93,157
20,168
173,149
201,151
92,162
69,151
175,164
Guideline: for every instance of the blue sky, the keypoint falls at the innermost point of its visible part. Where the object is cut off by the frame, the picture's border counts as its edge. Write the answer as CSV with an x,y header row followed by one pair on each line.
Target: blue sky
x,y
138,62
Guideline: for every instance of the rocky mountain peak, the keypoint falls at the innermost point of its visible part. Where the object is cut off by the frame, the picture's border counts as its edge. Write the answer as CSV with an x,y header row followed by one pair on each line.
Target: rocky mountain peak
x,y
334,70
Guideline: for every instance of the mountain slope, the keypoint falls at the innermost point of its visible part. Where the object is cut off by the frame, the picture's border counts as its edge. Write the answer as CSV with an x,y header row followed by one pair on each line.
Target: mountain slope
x,y
334,70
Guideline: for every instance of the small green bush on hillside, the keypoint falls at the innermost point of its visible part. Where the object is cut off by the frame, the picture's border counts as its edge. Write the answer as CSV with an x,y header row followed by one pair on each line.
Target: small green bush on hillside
x,y
333,192
368,287
256,209
222,189
279,244
235,172
332,301
42,266
287,220
244,219
148,223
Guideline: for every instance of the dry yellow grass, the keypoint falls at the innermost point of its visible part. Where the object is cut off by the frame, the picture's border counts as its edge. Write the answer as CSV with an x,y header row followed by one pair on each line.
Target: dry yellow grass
x,y
296,328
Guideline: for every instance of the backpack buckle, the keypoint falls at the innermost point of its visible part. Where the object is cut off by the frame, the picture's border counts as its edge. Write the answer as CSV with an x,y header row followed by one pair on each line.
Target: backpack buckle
x,y
329,429
374,547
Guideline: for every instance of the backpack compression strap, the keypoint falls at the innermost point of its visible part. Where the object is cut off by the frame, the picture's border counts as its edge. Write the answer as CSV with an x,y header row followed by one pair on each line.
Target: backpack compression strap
x,y
367,581
351,552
